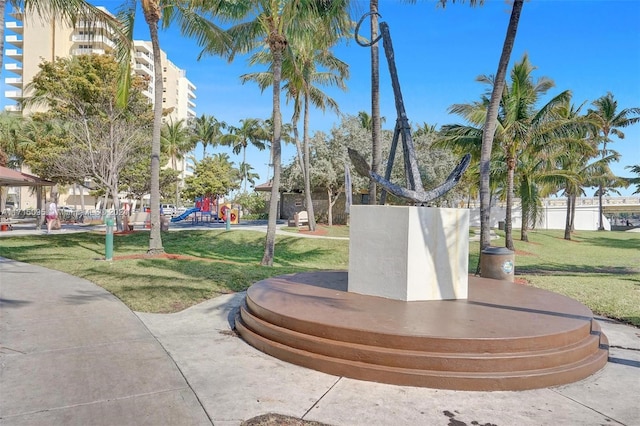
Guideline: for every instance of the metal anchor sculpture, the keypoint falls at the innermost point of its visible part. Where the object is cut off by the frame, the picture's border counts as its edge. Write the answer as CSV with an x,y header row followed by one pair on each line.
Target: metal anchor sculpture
x,y
415,191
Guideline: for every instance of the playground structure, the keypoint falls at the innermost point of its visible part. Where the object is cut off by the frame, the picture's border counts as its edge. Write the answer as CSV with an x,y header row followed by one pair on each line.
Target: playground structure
x,y
209,209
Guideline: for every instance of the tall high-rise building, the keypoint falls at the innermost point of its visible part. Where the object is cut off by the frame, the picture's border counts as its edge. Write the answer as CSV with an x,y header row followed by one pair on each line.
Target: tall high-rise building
x,y
31,40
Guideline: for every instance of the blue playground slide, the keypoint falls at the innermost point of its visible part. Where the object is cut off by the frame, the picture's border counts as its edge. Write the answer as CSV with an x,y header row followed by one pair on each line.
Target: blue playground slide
x,y
185,214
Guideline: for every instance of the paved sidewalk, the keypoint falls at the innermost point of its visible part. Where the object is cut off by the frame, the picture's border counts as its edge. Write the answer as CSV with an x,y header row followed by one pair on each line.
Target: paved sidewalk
x,y
71,353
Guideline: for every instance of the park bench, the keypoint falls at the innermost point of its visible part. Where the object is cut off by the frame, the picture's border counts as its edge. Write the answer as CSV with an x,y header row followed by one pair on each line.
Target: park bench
x,y
301,218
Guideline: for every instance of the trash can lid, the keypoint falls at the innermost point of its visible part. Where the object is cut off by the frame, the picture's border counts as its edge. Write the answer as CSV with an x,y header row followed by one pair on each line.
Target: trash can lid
x,y
497,250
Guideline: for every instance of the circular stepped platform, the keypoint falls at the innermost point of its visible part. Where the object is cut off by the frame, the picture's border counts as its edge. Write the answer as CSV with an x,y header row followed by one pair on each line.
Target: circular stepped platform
x,y
505,336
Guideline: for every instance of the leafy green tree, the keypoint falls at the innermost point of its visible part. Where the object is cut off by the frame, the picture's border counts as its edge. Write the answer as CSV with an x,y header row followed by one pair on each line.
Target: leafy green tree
x,y
214,176
88,133
609,121
134,179
10,151
253,204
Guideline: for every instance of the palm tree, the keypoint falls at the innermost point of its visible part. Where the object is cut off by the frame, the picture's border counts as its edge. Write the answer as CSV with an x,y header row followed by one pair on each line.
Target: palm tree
x,y
247,175
189,17
609,121
519,124
521,131
272,25
376,123
636,180
250,132
176,141
491,123
300,70
206,130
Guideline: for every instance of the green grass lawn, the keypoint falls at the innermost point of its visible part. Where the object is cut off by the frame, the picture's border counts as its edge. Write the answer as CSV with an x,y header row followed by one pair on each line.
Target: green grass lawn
x,y
600,269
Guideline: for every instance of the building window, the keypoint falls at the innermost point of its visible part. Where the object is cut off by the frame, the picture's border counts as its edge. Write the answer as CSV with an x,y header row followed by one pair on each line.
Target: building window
x,y
164,100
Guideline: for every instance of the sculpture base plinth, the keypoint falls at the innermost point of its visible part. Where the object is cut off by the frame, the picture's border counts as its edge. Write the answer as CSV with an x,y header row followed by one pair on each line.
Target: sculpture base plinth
x,y
409,253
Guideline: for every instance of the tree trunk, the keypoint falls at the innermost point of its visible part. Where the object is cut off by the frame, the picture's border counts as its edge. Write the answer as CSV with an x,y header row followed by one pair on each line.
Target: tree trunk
x,y
490,126
116,206
174,164
277,47
376,147
573,212
508,221
307,164
600,208
155,240
330,209
525,226
567,224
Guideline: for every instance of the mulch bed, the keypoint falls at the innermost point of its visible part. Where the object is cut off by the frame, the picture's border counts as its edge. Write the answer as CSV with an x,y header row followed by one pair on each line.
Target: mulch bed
x,y
169,256
320,232
272,419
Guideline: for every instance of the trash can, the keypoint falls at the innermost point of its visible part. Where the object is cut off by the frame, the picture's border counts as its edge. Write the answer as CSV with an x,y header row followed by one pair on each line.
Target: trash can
x,y
501,225
164,223
497,263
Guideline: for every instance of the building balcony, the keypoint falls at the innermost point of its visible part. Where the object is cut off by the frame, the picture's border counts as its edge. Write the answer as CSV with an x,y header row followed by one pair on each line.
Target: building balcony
x,y
145,58
12,108
13,94
15,68
14,40
77,52
143,69
14,54
91,25
16,27
94,39
14,81
148,94
191,104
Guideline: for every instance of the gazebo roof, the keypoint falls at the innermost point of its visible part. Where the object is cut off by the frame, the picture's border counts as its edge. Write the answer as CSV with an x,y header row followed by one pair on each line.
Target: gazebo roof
x,y
10,177
264,187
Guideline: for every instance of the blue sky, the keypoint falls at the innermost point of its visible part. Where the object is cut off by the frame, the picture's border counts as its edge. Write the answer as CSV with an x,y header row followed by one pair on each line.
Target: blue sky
x,y
590,47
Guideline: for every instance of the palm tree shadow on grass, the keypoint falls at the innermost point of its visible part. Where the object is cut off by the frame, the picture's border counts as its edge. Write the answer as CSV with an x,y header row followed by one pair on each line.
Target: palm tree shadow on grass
x,y
632,243
566,269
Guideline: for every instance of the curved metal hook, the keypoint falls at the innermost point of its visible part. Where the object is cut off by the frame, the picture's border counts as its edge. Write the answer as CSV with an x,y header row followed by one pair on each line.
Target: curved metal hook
x,y
358,29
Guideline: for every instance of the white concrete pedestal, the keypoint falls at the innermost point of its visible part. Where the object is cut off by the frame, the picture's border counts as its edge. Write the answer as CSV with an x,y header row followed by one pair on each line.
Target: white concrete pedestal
x,y
409,253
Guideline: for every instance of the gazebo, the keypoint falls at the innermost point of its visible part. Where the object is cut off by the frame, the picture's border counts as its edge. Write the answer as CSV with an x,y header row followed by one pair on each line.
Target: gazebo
x,y
11,178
